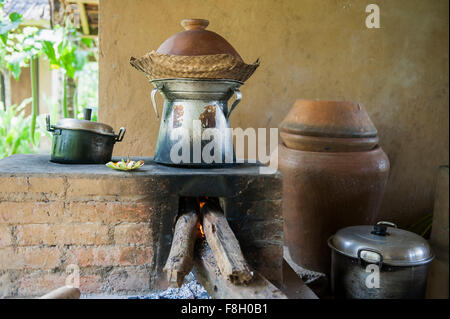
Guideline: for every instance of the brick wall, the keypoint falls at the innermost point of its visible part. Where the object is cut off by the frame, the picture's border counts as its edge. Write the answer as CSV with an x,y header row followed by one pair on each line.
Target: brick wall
x,y
48,223
116,226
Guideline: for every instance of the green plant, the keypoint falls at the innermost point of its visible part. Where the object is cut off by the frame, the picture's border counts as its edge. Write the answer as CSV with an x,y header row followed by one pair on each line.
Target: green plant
x,y
63,46
87,90
7,24
65,49
18,49
15,131
21,46
10,55
423,225
53,107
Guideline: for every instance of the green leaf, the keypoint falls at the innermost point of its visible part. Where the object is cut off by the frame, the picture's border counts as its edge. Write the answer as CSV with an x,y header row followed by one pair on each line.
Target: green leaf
x,y
24,103
87,42
68,60
60,48
6,26
14,63
15,69
49,51
14,16
4,37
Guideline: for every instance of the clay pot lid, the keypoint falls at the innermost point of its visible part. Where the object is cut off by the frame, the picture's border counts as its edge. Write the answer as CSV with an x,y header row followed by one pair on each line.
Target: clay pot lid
x,y
328,126
195,40
339,119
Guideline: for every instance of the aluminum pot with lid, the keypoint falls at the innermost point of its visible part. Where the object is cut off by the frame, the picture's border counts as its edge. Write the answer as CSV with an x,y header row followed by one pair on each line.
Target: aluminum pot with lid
x,y
82,141
379,262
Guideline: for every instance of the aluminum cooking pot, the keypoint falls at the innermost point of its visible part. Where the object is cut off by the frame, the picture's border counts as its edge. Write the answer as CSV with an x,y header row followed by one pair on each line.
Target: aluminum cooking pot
x,y
82,141
379,262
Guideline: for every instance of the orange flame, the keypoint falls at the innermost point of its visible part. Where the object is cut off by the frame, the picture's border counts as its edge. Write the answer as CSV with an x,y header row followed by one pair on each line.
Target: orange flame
x,y
201,230
202,203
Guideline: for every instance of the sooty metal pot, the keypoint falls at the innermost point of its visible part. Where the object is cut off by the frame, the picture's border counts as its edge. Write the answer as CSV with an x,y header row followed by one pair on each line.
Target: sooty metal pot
x,y
379,262
82,141
192,106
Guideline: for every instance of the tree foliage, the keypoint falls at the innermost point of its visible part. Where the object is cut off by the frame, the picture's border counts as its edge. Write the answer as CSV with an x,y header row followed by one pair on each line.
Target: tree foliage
x,y
20,45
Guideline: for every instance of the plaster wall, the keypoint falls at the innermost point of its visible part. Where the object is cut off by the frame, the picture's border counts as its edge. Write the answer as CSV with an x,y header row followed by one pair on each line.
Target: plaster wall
x,y
21,88
312,50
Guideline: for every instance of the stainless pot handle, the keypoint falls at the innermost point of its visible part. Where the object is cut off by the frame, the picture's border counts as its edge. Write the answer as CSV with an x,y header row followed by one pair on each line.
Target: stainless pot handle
x,y
371,250
236,101
387,224
152,95
120,135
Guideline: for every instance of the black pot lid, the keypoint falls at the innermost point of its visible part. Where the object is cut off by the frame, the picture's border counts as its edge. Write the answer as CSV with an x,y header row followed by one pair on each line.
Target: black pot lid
x,y
389,245
74,124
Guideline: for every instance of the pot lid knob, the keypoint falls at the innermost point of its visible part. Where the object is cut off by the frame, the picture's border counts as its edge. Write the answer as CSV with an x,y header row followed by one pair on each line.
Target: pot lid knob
x,y
87,114
379,230
194,24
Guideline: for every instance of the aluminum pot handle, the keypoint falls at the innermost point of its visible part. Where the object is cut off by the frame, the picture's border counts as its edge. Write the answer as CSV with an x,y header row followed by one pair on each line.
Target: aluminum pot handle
x,y
374,251
152,95
387,224
47,121
236,101
120,135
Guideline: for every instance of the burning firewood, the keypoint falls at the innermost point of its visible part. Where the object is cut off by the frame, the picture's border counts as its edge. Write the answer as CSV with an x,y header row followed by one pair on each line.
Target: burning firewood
x,y
208,274
224,245
181,256
65,292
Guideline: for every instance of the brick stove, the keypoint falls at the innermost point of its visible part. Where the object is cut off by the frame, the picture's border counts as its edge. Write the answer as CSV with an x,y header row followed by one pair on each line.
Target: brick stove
x,y
118,226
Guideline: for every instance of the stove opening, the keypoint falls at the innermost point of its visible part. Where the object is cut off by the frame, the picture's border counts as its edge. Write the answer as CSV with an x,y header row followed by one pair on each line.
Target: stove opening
x,y
201,221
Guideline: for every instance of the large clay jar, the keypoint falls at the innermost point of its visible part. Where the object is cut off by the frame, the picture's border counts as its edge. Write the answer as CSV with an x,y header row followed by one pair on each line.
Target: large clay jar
x,y
334,175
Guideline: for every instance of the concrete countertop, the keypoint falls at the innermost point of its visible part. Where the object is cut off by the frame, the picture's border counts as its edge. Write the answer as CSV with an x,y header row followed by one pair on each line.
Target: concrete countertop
x,y
30,164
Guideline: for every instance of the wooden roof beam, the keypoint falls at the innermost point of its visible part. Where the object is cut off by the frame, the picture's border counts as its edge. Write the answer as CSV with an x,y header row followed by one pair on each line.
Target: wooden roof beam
x,y
83,18
83,1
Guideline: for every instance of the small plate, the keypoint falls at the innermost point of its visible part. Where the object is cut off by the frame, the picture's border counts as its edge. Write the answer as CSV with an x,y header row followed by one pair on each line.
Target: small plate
x,y
125,165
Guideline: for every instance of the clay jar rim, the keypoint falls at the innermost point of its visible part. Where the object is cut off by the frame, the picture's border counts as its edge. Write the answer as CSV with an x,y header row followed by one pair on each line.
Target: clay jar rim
x,y
195,41
336,156
327,126
328,144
